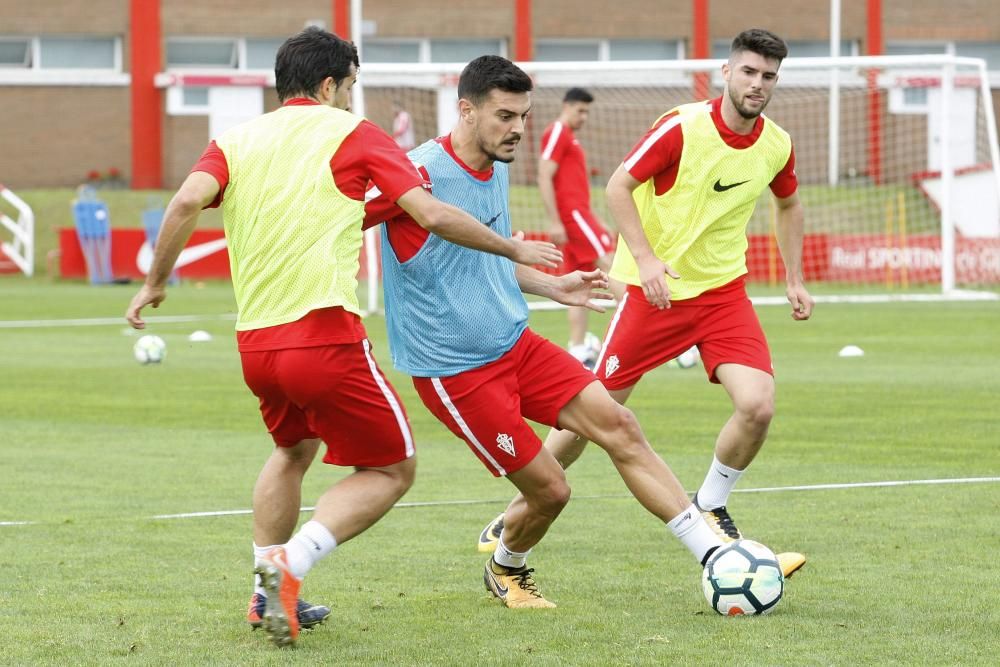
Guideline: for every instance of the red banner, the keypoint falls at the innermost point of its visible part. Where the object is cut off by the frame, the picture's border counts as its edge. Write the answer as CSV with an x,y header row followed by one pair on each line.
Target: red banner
x,y
851,258
203,257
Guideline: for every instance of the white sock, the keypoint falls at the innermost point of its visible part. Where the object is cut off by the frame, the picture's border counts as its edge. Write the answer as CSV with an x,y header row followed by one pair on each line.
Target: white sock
x,y
718,484
308,546
507,558
258,553
690,528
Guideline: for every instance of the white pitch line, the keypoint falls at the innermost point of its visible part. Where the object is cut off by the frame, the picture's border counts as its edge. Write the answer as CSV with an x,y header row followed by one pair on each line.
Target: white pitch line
x,y
443,503
102,321
772,489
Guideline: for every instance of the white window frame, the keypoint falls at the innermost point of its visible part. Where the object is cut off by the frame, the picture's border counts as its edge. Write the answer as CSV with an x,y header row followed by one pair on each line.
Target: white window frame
x,y
33,74
603,45
176,106
424,44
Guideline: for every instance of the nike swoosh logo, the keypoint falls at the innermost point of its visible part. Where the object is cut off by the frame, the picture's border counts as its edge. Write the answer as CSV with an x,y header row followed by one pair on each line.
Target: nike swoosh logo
x,y
502,590
494,218
719,187
723,474
189,255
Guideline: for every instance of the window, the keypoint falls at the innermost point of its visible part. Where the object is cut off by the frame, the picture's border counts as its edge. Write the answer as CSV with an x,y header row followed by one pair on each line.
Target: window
x,y
15,52
429,50
242,53
194,97
463,50
193,52
643,49
60,52
989,51
260,53
77,52
390,51
914,48
565,50
818,48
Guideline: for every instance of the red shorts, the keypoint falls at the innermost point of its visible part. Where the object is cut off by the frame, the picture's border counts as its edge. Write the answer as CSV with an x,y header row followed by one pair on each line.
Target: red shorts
x,y
587,240
722,323
336,393
486,406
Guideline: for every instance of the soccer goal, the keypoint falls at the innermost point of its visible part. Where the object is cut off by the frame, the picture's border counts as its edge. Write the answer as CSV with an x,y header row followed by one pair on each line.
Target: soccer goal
x,y
896,158
20,251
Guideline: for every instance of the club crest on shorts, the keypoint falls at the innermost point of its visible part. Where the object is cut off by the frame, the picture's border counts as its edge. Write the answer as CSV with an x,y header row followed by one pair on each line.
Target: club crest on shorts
x,y
506,443
611,365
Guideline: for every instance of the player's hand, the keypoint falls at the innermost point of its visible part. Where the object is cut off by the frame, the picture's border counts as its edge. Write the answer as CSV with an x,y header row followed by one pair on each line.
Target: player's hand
x,y
652,275
557,234
535,253
146,296
580,287
802,302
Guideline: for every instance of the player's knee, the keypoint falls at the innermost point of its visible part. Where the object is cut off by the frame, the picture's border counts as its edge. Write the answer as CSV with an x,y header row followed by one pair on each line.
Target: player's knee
x,y
758,412
298,457
622,434
400,476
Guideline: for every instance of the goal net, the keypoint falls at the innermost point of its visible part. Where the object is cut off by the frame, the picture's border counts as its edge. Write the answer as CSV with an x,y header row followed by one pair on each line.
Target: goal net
x,y
896,157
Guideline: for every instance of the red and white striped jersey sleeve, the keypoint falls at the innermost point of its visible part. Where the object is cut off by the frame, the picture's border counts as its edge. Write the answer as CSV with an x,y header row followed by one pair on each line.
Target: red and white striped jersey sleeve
x,y
658,151
554,142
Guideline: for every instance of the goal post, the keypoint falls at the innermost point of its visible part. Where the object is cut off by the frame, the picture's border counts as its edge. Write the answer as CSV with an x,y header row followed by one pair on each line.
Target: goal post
x,y
21,250
909,203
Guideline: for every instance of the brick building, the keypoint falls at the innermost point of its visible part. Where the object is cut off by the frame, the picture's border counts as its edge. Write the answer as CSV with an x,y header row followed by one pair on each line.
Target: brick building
x,y
84,84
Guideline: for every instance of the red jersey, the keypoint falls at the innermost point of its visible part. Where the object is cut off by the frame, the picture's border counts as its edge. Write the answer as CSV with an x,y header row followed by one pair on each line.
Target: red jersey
x,y
571,184
658,154
366,155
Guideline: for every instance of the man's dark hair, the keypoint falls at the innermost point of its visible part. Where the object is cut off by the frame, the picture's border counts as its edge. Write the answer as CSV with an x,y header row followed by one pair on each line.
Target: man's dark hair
x,y
762,42
486,73
306,59
578,95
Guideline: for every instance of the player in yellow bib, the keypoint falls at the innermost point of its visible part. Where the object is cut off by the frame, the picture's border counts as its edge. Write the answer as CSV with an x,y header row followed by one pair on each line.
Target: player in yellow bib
x,y
292,187
681,200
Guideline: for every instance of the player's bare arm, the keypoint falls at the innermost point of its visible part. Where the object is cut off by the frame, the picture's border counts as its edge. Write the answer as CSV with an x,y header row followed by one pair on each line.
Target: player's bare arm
x,y
457,226
546,187
578,288
652,270
181,217
790,225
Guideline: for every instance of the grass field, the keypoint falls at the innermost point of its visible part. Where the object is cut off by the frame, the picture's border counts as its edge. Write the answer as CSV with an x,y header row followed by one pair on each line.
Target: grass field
x,y
94,446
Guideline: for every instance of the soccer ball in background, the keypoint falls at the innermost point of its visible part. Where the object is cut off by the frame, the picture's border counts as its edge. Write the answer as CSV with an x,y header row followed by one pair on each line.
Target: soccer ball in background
x,y
689,358
149,350
588,351
743,578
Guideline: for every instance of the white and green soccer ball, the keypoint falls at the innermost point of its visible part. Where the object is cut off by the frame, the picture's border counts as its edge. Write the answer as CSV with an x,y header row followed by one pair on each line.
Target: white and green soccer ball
x,y
149,349
743,578
689,358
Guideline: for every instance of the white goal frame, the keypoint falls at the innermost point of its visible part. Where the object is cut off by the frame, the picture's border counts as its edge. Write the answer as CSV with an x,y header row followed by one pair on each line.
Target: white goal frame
x,y
22,250
840,73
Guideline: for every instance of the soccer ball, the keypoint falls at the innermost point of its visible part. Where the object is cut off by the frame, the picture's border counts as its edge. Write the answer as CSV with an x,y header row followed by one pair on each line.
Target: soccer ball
x,y
588,351
689,358
743,577
149,350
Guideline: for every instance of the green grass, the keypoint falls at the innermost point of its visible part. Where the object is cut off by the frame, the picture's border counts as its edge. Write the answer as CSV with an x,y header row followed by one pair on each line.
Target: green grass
x,y
92,446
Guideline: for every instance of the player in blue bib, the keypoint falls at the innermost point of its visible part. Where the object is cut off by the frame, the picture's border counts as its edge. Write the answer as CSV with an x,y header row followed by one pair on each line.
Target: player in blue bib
x,y
457,323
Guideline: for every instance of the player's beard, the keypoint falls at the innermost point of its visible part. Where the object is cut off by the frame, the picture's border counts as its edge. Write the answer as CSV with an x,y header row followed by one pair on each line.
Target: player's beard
x,y
492,154
743,111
